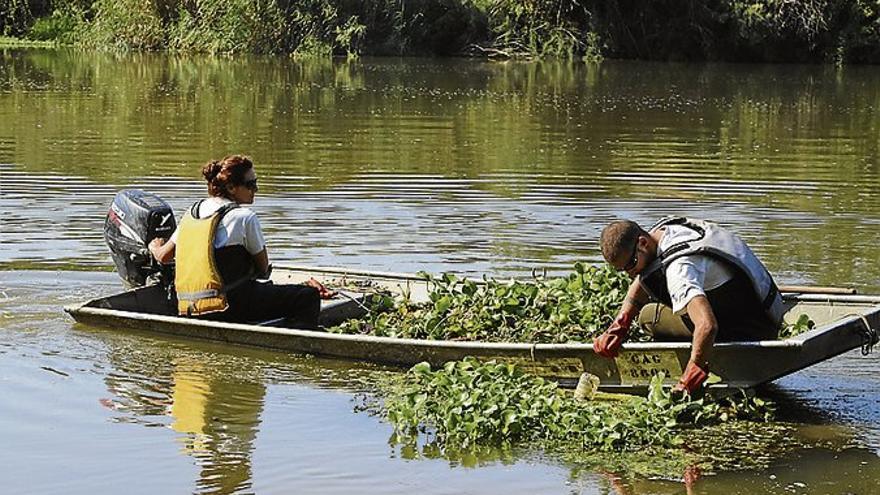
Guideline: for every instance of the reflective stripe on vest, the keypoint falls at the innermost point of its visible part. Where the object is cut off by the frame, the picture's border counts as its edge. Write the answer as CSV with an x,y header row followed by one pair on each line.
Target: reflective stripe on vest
x,y
719,243
200,287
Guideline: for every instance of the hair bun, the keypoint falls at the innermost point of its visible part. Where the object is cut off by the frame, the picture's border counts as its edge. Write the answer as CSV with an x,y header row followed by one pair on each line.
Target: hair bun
x,y
211,169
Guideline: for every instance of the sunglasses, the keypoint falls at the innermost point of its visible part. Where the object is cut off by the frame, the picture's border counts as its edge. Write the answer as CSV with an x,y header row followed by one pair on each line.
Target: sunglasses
x,y
634,260
250,184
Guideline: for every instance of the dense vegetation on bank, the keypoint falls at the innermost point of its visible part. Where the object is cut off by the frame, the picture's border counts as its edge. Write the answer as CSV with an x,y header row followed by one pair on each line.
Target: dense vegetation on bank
x,y
738,30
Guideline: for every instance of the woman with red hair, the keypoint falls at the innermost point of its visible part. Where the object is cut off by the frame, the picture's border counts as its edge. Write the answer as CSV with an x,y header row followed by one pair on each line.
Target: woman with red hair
x,y
221,256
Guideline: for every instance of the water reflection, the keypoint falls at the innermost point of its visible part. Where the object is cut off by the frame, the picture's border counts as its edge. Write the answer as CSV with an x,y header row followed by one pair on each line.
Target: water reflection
x,y
215,409
446,164
91,408
219,419
405,165
214,397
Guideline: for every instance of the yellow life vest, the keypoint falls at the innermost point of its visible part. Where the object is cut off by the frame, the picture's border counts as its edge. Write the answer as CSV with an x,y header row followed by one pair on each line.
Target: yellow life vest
x,y
200,287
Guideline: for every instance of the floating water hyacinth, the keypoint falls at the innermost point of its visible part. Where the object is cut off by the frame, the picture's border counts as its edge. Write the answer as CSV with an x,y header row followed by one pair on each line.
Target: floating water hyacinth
x,y
573,308
470,402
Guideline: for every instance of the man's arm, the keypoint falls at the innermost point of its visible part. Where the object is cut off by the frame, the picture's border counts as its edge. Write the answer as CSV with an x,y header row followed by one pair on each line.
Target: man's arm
x,y
635,299
705,329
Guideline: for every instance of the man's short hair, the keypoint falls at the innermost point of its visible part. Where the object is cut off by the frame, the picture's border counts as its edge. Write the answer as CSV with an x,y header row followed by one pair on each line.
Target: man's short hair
x,y
618,239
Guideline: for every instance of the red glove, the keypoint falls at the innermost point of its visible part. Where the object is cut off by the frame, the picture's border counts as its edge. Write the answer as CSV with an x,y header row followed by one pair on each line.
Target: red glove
x,y
609,342
324,292
692,378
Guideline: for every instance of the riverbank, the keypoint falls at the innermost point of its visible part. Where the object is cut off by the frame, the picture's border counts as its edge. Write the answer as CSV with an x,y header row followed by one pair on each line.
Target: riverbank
x,y
10,42
834,31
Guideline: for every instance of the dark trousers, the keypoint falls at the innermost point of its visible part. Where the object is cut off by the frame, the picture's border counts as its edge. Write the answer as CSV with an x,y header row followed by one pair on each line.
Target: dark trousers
x,y
255,301
739,313
737,310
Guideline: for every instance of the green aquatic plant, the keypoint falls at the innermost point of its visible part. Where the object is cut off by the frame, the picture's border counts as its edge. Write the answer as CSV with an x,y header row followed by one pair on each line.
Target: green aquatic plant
x,y
470,402
572,308
9,42
801,325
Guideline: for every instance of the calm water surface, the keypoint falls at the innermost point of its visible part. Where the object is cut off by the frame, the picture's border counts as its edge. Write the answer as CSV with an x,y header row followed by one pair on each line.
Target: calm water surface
x,y
402,165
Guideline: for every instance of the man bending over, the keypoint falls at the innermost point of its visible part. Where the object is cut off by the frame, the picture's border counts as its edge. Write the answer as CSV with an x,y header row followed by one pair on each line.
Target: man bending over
x,y
707,284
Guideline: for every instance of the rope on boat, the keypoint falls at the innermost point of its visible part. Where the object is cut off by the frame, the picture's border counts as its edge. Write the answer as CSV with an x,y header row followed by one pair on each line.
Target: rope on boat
x,y
353,299
869,334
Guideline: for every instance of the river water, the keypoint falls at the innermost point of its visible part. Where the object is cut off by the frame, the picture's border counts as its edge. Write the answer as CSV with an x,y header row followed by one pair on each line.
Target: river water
x,y
402,165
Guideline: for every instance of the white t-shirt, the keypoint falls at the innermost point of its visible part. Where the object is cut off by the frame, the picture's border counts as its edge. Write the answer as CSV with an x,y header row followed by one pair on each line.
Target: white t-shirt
x,y
239,227
690,276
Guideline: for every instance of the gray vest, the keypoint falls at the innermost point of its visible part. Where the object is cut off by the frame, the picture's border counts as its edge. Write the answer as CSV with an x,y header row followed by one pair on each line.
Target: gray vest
x,y
713,240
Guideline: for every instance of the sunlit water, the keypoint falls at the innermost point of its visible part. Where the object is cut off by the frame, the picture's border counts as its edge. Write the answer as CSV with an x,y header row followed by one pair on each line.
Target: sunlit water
x,y
401,165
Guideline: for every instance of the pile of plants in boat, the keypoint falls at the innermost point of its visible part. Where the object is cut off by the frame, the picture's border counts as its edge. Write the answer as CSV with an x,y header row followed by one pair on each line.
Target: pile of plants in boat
x,y
573,308
471,403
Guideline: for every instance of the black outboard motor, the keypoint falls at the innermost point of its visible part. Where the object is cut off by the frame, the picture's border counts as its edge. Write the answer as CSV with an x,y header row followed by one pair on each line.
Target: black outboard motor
x,y
135,218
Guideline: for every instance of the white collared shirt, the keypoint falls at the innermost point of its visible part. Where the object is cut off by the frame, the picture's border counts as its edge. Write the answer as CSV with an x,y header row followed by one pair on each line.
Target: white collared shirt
x,y
692,275
239,227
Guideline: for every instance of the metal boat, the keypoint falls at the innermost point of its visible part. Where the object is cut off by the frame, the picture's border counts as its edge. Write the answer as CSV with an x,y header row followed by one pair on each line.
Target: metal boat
x,y
844,321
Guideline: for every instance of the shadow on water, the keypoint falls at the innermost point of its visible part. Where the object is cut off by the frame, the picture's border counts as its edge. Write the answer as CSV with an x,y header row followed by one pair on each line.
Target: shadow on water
x,y
212,395
216,413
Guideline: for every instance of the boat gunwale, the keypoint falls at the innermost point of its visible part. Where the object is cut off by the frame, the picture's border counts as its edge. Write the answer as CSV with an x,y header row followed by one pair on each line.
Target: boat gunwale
x,y
791,342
